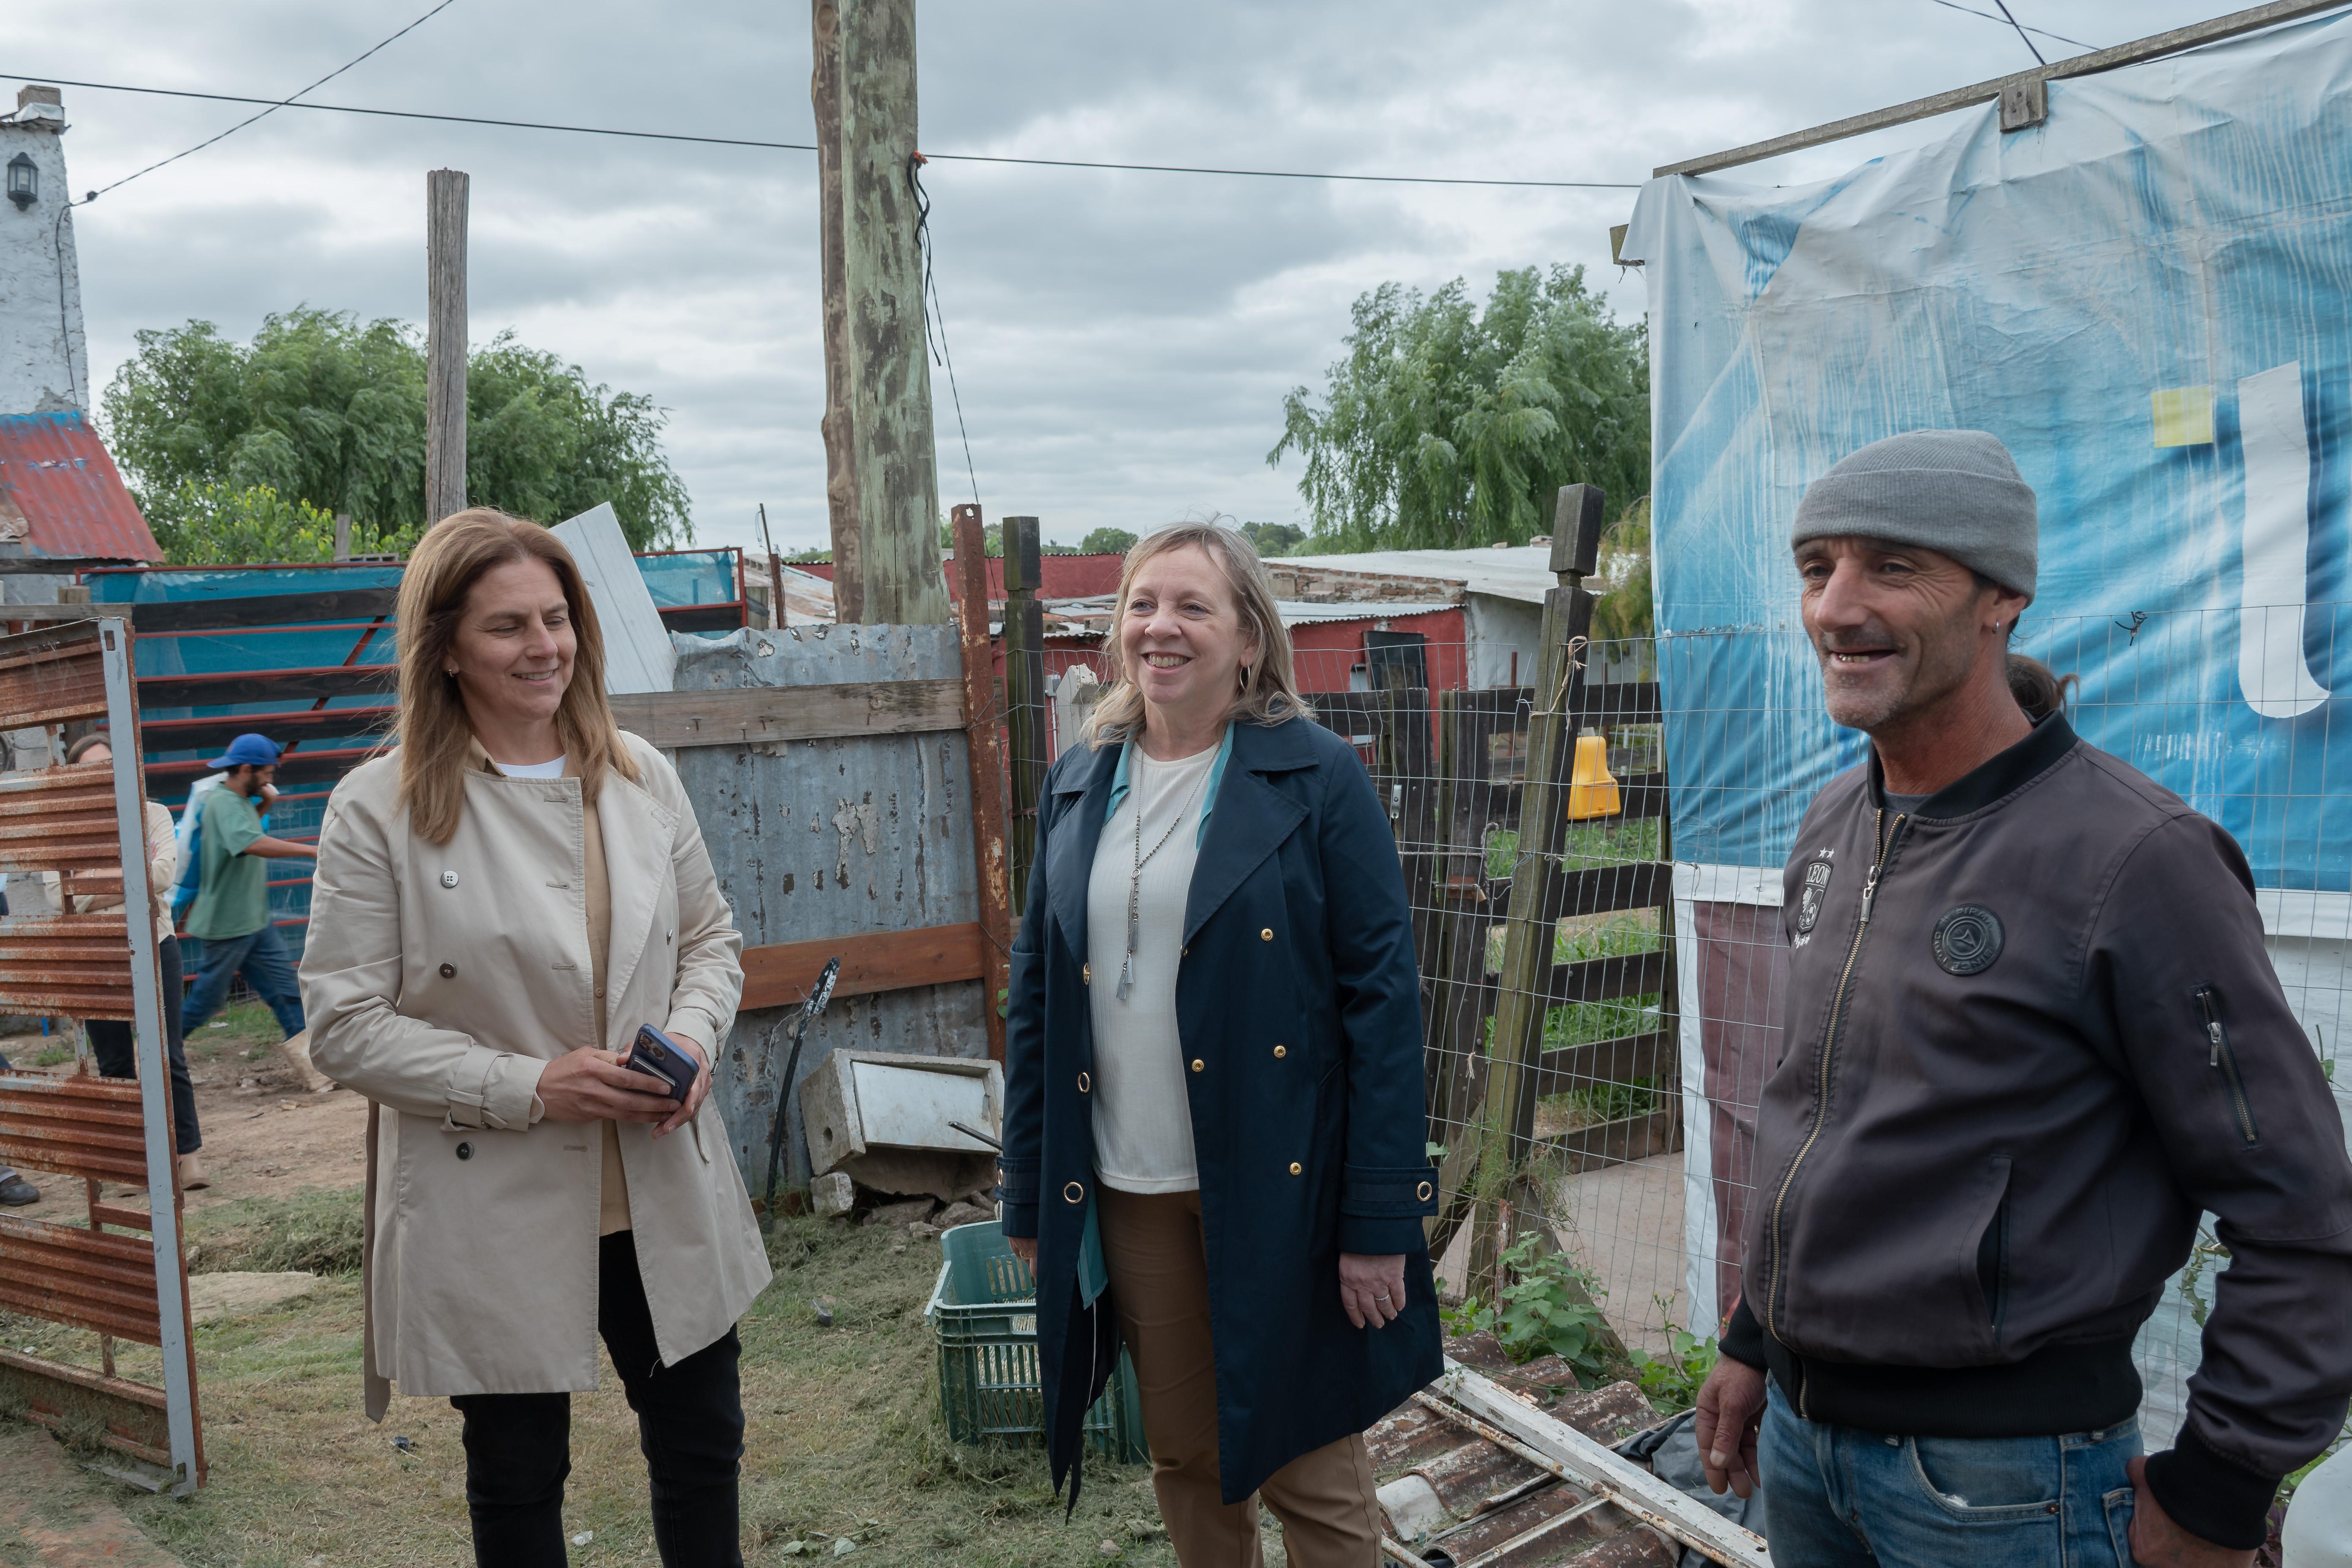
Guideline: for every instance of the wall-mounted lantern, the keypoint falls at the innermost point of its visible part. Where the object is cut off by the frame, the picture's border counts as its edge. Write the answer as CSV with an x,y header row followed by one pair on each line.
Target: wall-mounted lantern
x,y
24,182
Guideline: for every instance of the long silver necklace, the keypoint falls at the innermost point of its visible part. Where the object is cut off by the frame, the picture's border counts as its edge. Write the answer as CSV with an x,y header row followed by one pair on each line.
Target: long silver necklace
x,y
1135,879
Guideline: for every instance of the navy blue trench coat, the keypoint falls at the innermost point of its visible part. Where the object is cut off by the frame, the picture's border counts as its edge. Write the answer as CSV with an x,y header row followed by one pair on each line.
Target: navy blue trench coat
x,y
1297,934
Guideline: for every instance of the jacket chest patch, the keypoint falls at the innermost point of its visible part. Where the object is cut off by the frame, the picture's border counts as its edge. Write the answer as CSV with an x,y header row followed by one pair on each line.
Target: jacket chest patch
x,y
1967,939
1809,897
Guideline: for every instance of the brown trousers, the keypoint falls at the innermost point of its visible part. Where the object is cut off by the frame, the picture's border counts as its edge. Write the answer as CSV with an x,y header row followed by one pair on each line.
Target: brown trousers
x,y
1159,1264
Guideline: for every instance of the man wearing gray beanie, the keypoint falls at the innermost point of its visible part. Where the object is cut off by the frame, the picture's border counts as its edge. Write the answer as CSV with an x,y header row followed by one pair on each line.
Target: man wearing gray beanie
x,y
2029,1033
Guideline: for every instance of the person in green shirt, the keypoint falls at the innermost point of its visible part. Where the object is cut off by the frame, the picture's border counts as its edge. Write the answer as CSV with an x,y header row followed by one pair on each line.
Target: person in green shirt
x,y
231,914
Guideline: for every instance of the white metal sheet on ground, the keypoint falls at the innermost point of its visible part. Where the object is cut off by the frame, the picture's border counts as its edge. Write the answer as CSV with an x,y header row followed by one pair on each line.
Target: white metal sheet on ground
x,y
907,1108
638,655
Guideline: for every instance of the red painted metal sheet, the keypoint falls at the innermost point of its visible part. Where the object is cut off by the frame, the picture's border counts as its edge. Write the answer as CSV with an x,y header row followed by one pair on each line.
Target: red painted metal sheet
x,y
58,475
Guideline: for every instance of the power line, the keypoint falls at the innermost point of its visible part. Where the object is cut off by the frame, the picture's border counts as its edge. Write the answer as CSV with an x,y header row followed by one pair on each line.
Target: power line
x,y
274,103
274,106
2011,21
2021,36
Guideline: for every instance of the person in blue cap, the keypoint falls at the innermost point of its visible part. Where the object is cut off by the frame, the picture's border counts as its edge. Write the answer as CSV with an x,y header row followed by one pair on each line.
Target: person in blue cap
x,y
231,913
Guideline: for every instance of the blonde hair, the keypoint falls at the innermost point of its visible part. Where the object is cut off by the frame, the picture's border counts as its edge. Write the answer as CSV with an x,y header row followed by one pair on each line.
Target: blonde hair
x,y
434,729
1269,691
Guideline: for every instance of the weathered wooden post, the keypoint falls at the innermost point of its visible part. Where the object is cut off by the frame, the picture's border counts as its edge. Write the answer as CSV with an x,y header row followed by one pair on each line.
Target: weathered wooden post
x,y
1024,696
446,193
881,482
1507,1124
987,759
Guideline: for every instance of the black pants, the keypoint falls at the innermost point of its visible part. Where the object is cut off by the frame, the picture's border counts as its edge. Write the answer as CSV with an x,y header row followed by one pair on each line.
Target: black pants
x,y
110,1042
689,1424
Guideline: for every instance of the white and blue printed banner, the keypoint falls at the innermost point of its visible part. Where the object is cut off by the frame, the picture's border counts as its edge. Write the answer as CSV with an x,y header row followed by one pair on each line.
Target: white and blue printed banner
x,y
2149,298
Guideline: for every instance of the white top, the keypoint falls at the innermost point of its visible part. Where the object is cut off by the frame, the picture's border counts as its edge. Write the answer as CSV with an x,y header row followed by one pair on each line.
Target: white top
x,y
553,769
1143,1123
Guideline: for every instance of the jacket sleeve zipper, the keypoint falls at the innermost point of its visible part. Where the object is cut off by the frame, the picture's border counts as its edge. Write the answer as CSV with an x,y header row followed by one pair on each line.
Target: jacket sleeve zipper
x,y
1883,844
2223,1056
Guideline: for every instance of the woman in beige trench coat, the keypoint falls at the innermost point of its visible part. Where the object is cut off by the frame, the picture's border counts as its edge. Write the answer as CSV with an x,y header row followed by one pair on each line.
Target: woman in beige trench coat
x,y
498,907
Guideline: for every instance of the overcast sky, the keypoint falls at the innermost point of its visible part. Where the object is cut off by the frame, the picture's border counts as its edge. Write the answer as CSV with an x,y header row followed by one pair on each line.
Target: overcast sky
x,y
1122,341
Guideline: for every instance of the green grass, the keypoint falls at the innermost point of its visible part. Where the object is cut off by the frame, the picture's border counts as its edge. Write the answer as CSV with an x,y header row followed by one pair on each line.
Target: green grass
x,y
1607,841
246,1031
844,1436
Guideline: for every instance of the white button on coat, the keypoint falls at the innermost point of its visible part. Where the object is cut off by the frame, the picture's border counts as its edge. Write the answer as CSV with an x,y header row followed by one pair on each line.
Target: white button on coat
x,y
449,878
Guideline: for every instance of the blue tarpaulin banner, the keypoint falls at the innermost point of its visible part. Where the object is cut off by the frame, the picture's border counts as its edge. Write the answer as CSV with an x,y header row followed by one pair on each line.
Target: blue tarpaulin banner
x,y
2146,297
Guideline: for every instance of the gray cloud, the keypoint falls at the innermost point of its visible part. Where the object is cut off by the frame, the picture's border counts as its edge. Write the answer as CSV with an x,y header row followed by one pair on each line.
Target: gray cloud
x,y
1122,340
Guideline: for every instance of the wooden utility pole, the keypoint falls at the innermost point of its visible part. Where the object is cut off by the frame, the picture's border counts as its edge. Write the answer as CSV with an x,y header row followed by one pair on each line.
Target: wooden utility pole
x,y
445,343
1025,697
980,723
881,477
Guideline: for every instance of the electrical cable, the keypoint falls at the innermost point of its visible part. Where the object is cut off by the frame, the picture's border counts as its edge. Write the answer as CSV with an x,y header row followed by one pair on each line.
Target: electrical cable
x,y
923,242
811,147
2058,37
274,106
2021,36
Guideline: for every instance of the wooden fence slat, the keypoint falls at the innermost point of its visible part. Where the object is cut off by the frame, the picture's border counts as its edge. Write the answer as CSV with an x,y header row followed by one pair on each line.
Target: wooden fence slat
x,y
754,713
1605,979
780,974
1621,1060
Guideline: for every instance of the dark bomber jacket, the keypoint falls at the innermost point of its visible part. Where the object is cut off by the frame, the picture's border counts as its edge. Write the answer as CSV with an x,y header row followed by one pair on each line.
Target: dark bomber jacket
x,y
2029,1032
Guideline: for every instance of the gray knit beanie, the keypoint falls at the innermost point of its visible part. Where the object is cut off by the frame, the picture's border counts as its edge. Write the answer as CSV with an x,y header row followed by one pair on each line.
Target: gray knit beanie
x,y
1956,491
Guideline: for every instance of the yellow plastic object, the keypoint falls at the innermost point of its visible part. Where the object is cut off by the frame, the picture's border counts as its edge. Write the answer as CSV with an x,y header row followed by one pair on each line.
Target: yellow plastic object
x,y
1591,789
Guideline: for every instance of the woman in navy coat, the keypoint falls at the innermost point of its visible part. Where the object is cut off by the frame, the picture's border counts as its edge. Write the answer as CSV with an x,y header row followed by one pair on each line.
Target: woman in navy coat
x,y
1214,1147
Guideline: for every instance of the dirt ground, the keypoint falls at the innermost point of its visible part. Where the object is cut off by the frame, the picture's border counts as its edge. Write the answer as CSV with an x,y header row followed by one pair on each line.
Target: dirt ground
x,y
264,1135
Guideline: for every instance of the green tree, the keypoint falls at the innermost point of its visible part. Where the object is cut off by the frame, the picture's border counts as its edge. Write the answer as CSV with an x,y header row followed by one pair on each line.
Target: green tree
x,y
328,413
1448,426
1106,540
1275,538
214,525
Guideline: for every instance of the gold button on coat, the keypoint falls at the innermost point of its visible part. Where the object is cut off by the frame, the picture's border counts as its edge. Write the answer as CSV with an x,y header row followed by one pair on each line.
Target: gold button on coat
x,y
1085,975
1280,1052
1296,1168
1198,1065
1266,935
1085,1083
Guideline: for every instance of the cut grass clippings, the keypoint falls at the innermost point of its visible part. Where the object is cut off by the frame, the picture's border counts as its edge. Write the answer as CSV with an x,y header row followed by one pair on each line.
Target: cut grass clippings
x,y
843,1438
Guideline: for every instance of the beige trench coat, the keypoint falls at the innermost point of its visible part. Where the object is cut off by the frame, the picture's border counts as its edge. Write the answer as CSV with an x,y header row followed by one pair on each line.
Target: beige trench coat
x,y
440,981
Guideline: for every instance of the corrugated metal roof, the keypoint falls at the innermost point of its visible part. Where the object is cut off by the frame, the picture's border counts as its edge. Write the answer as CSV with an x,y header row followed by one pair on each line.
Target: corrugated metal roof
x,y
1518,572
57,476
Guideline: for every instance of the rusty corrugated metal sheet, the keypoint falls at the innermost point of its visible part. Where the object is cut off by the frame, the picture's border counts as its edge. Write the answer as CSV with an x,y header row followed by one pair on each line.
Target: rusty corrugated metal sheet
x,y
58,476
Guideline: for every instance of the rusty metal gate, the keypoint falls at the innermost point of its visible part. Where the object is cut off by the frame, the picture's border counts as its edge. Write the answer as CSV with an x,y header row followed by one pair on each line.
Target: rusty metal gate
x,y
120,1273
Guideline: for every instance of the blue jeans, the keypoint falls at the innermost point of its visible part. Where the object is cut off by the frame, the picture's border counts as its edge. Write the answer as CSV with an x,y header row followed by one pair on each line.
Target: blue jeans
x,y
261,958
1843,1499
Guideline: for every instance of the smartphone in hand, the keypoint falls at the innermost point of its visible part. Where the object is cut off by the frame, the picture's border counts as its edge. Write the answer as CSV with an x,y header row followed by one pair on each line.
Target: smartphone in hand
x,y
657,1056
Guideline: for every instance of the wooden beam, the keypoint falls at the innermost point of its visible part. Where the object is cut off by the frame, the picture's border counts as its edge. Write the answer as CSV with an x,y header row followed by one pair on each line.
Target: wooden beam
x,y
987,753
833,293
741,715
2020,84
865,99
56,566
1621,1060
779,974
445,192
1604,979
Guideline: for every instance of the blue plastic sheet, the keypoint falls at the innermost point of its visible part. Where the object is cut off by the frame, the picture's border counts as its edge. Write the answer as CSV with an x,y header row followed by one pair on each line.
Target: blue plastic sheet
x,y
2146,298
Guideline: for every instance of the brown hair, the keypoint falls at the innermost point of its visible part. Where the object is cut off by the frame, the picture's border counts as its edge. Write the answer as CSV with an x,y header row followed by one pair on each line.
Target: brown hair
x,y
1269,691
434,727
80,747
2039,690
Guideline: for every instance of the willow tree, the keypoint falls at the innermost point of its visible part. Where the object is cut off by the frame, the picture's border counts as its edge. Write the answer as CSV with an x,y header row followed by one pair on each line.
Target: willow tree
x,y
1448,425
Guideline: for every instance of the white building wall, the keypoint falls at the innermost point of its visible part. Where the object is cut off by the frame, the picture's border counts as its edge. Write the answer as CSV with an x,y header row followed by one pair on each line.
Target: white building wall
x,y
44,361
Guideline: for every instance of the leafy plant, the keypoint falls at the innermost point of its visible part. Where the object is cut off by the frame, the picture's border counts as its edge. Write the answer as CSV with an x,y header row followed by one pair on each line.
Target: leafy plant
x,y
1549,1306
1106,540
1672,1381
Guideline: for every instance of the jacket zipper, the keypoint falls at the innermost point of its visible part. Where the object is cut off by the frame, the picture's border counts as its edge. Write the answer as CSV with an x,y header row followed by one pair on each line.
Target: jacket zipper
x,y
2226,1059
1883,845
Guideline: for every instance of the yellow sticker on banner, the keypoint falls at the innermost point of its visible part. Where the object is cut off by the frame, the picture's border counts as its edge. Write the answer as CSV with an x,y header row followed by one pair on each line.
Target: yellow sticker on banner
x,y
2184,416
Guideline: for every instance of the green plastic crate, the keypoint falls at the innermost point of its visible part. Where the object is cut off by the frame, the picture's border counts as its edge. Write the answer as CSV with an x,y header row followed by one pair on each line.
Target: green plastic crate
x,y
984,1312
